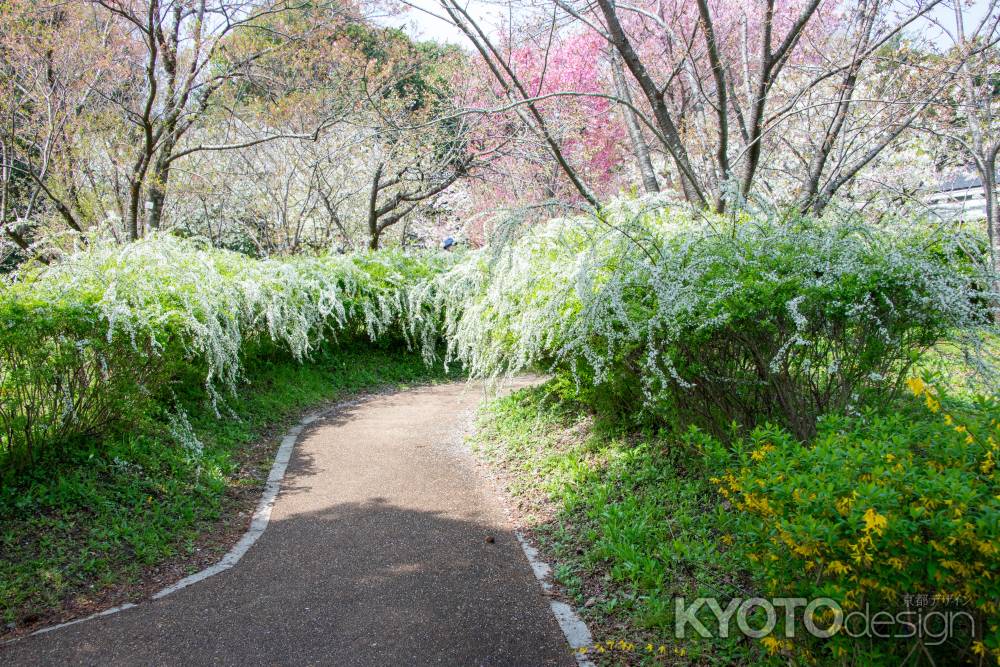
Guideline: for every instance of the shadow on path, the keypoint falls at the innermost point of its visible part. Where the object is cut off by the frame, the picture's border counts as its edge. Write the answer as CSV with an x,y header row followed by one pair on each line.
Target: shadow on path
x,y
376,554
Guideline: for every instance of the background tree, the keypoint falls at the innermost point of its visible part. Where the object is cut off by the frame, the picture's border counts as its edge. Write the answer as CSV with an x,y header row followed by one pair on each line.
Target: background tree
x,y
375,165
718,91
108,99
967,121
57,65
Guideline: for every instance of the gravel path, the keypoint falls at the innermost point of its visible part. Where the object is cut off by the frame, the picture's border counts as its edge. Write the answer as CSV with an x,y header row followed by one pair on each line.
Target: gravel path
x,y
385,547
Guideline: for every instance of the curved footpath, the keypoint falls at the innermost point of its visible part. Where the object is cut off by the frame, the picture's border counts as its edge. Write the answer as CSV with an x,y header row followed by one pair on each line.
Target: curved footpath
x,y
385,547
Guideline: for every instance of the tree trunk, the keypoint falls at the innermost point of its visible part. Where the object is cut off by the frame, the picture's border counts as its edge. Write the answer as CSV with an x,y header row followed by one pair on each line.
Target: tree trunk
x,y
671,137
156,197
373,231
988,176
158,189
639,146
132,221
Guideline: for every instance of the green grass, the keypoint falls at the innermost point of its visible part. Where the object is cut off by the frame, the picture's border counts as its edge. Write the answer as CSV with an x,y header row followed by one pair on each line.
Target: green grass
x,y
626,524
84,526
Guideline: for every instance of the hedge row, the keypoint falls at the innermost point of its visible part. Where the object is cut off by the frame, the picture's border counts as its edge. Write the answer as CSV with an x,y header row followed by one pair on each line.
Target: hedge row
x,y
91,340
710,320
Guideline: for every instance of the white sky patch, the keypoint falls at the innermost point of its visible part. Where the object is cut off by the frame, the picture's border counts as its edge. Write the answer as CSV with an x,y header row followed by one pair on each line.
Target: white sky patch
x,y
427,20
938,27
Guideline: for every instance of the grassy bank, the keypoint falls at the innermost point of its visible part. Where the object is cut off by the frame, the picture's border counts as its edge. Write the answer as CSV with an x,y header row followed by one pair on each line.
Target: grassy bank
x,y
626,522
878,509
105,520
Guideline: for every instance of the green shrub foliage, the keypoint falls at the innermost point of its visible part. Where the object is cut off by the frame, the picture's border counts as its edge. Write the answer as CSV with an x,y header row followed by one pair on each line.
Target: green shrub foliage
x,y
86,341
715,319
895,513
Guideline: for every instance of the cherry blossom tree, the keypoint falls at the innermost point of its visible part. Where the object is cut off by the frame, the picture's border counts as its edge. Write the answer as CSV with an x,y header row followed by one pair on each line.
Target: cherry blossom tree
x,y
587,127
713,91
56,66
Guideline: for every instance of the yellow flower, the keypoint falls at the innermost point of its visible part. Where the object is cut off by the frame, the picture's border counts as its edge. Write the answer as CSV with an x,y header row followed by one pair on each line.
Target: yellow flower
x,y
948,420
805,550
917,385
837,567
771,644
844,504
875,521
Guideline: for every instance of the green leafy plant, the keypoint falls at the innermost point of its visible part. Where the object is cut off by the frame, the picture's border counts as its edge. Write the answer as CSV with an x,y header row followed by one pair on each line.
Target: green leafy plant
x,y
709,320
107,331
877,511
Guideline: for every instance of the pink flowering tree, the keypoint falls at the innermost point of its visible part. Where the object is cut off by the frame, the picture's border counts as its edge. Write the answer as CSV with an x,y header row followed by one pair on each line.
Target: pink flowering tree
x,y
587,125
717,101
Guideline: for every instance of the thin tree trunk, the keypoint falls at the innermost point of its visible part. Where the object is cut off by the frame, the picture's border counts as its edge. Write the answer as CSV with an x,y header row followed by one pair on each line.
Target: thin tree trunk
x,y
721,104
671,135
157,195
639,146
511,83
988,177
373,231
132,221
158,186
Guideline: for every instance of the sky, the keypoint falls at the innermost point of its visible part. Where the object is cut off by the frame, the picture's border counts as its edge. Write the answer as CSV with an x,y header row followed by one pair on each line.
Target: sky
x,y
944,15
420,23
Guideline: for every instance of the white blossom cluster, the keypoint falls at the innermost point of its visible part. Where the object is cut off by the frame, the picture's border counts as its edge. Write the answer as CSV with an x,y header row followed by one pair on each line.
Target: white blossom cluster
x,y
628,289
208,303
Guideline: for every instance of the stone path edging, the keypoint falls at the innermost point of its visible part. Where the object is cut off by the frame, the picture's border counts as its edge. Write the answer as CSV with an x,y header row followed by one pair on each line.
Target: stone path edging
x,y
258,524
572,626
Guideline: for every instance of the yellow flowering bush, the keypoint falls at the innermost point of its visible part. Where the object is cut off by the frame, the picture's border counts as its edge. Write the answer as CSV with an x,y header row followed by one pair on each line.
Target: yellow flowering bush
x,y
876,512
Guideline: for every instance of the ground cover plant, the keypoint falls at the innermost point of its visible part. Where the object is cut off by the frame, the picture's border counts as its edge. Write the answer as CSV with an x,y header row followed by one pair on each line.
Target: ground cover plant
x,y
893,510
627,520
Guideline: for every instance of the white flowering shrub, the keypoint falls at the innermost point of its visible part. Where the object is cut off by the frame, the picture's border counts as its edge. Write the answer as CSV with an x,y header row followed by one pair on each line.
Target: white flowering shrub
x,y
88,340
717,319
